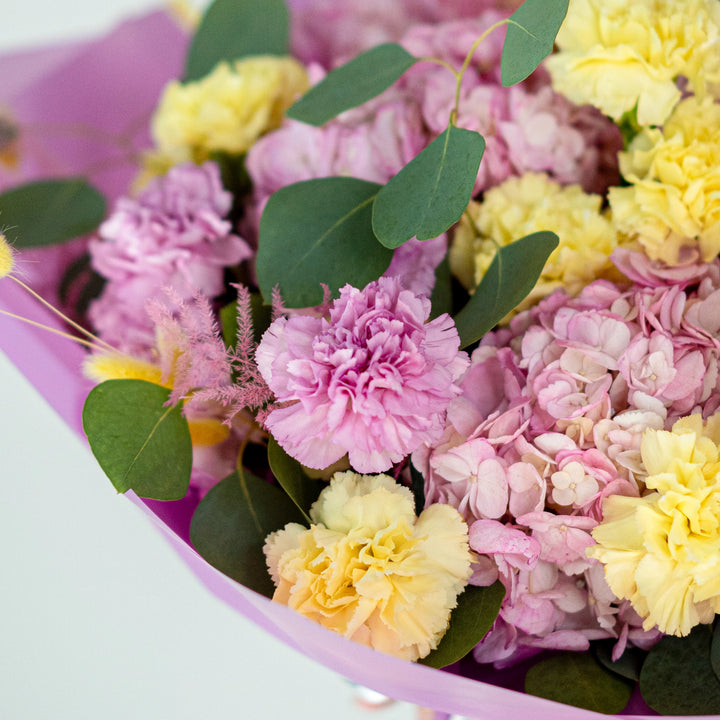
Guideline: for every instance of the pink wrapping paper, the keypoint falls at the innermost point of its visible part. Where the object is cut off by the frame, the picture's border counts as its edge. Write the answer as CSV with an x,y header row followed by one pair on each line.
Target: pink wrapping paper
x,y
52,364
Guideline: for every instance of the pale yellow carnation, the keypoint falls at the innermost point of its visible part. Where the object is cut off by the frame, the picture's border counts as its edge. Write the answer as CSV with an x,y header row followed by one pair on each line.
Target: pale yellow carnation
x,y
228,110
528,204
662,551
368,569
672,206
616,53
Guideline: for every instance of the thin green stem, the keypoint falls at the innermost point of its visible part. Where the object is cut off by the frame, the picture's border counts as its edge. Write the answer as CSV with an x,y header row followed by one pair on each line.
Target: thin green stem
x,y
441,63
466,64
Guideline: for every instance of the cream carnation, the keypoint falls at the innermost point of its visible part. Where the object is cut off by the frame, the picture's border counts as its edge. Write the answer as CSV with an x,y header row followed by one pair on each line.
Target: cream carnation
x,y
228,110
528,204
615,53
368,569
673,205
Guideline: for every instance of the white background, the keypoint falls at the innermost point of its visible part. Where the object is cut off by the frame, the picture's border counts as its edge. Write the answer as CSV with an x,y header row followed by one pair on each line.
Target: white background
x,y
99,619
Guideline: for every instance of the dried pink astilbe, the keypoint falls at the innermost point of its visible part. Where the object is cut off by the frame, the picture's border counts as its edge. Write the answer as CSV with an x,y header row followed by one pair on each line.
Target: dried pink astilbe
x,y
374,380
191,352
245,386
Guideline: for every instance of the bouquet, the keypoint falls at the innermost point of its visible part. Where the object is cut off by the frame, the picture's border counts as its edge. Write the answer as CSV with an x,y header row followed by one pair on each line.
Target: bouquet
x,y
405,317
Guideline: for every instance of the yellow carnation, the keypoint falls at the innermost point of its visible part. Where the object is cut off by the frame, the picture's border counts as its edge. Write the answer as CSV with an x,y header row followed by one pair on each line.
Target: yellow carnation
x,y
616,53
672,206
662,551
528,204
368,569
228,110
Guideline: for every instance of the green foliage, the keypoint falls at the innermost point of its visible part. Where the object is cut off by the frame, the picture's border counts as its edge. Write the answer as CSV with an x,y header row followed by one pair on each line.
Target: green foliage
x,y
628,665
231,523
49,212
512,274
418,488
139,442
530,37
441,298
578,679
431,192
677,677
232,29
319,231
301,489
715,650
352,84
470,621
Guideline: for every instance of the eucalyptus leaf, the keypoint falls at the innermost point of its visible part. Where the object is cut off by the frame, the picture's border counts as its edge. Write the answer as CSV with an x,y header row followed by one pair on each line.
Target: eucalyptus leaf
x,y
231,29
530,37
470,621
301,489
352,84
49,212
677,677
441,297
431,192
231,523
139,442
578,679
628,665
715,650
418,488
319,231
512,274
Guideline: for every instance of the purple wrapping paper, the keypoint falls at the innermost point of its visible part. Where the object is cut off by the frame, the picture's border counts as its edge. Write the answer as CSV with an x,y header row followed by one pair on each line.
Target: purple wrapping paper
x,y
40,83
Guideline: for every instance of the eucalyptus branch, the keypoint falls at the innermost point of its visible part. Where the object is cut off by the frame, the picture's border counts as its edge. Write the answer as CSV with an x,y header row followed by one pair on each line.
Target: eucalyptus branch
x,y
468,60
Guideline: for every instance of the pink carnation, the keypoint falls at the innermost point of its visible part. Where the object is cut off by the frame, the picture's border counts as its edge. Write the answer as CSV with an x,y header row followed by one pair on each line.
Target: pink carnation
x,y
172,235
374,380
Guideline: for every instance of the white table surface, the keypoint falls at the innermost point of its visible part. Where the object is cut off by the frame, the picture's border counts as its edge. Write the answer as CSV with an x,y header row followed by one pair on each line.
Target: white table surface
x,y
94,604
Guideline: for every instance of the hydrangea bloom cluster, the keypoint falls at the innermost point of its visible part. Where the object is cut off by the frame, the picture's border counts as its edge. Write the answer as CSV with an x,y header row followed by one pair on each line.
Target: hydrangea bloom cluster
x,y
550,422
368,569
527,127
373,380
173,235
332,31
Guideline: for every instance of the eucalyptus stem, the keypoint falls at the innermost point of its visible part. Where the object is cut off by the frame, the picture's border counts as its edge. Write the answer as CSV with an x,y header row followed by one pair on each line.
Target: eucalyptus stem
x,y
466,64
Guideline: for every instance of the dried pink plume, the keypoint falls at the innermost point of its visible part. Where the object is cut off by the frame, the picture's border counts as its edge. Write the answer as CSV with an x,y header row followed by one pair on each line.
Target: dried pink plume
x,y
374,380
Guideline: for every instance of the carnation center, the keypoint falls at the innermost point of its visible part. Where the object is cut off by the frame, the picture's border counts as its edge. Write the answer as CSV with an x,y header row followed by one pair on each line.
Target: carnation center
x,y
368,360
363,566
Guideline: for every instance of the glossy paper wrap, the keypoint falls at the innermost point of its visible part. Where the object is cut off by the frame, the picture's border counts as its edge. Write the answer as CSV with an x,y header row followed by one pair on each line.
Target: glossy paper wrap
x,y
37,85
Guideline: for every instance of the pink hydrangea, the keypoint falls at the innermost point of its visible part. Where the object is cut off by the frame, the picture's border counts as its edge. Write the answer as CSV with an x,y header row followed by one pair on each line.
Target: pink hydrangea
x,y
372,142
173,235
332,31
527,128
552,412
373,380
